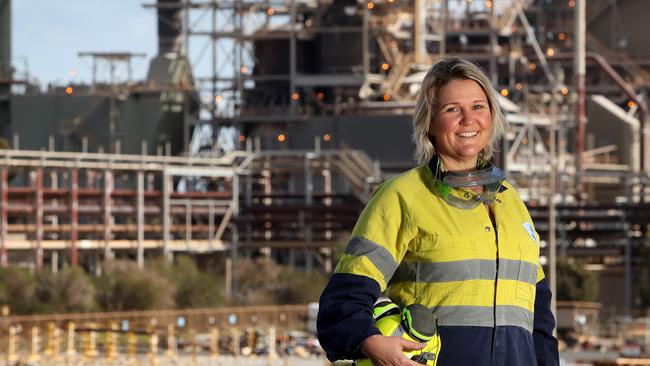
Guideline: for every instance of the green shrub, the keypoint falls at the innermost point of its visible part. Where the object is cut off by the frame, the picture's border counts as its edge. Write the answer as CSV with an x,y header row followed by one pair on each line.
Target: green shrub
x,y
69,290
298,287
18,290
263,282
194,289
123,286
574,282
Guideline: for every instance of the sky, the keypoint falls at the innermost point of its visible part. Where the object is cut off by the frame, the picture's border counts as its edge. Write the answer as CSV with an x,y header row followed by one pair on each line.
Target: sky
x,y
47,35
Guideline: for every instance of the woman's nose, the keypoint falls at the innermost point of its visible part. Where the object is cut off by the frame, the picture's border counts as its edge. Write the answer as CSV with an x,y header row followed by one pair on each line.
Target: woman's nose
x,y
466,117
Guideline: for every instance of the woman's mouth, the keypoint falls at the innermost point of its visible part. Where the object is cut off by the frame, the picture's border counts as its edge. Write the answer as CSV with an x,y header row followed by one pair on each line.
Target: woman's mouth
x,y
467,134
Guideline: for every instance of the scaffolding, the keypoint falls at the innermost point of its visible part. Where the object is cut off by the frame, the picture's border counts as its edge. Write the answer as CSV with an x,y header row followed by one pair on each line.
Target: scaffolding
x,y
106,203
263,65
284,62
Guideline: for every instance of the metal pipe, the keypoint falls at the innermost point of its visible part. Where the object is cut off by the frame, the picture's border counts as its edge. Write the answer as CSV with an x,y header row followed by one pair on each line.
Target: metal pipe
x,y
186,30
214,41
365,38
494,76
443,35
419,32
552,212
292,58
579,74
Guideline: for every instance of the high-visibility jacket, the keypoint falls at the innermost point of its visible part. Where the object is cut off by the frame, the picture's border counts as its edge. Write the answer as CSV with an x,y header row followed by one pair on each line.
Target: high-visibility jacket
x,y
483,282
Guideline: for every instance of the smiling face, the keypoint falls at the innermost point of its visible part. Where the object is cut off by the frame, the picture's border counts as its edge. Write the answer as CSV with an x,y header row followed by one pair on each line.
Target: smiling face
x,y
461,125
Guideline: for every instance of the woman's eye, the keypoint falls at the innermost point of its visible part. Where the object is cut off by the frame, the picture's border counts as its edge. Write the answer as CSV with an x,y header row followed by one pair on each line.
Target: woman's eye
x,y
452,109
479,106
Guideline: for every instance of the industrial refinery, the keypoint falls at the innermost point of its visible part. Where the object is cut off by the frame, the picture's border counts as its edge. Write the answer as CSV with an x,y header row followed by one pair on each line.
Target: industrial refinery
x,y
305,108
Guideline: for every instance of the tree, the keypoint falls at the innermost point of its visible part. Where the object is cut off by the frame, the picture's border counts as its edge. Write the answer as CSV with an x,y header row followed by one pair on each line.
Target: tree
x,y
69,290
256,279
18,290
338,249
262,281
298,287
194,289
124,287
574,282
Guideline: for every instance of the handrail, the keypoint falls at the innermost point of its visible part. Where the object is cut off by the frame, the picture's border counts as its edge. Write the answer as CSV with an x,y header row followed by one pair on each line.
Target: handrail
x,y
227,159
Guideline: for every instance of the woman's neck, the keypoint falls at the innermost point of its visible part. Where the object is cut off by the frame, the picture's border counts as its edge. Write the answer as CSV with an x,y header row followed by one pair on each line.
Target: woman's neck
x,y
454,165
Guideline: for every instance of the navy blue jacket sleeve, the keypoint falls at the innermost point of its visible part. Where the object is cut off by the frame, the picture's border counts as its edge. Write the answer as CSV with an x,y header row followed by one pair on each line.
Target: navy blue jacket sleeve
x,y
546,348
345,315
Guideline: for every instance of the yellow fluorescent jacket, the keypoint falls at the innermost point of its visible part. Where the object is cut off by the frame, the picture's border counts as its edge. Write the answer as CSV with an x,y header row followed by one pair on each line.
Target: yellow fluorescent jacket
x,y
422,250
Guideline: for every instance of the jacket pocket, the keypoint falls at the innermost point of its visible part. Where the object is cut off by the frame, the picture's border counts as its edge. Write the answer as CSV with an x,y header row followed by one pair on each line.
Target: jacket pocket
x,y
528,267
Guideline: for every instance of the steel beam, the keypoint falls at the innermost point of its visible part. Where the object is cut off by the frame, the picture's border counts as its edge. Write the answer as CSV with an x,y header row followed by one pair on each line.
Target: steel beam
x,y
107,206
166,219
140,219
74,215
38,193
4,202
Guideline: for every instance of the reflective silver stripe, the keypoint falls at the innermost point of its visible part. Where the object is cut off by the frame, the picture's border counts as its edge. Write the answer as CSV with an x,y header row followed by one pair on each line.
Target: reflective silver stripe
x,y
378,255
398,332
483,316
407,271
515,315
471,269
528,273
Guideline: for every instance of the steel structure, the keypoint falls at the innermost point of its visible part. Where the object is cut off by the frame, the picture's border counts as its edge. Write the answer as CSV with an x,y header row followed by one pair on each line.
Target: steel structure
x,y
291,62
284,62
286,71
101,204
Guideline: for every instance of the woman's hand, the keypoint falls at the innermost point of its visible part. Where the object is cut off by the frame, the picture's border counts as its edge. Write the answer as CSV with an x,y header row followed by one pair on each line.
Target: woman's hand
x,y
389,351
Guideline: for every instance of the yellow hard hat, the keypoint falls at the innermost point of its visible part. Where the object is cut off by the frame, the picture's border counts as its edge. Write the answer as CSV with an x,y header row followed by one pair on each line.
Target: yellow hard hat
x,y
415,323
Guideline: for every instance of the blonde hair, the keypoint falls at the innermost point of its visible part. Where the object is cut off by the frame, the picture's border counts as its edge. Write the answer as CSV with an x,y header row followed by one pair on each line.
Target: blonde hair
x,y
443,71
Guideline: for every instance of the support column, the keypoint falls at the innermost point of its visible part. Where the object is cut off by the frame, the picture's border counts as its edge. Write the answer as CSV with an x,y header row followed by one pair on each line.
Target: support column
x,y
293,64
494,44
579,74
309,201
4,196
166,183
628,262
210,223
140,219
420,31
235,192
443,32
54,261
233,260
309,184
365,42
38,186
108,190
74,215
188,223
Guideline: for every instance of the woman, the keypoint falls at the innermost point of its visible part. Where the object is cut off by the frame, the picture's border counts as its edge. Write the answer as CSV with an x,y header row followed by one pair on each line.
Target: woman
x,y
450,234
